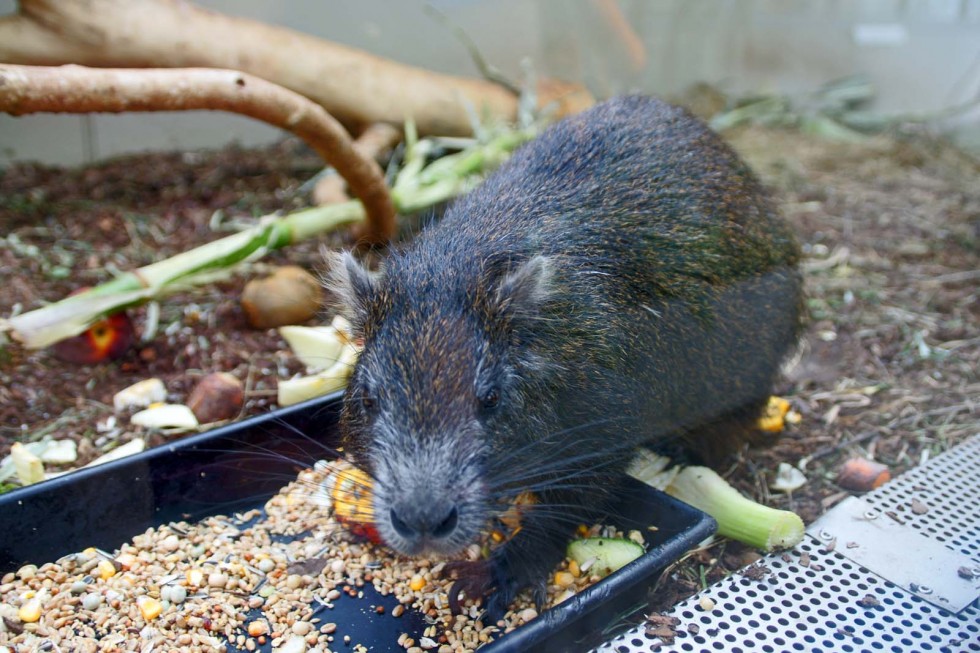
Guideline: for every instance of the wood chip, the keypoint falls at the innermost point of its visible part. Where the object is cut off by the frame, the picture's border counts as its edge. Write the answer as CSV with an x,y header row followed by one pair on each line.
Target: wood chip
x,y
892,514
666,633
868,601
758,571
662,620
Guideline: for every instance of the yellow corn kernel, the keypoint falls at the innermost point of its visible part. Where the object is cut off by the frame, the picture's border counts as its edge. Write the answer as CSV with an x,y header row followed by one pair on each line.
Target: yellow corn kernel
x,y
573,569
30,611
497,536
564,579
416,583
582,530
106,569
149,607
195,577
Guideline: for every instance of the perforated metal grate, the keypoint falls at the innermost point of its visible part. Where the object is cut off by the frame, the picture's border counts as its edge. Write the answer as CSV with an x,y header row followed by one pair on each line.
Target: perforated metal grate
x,y
812,599
947,489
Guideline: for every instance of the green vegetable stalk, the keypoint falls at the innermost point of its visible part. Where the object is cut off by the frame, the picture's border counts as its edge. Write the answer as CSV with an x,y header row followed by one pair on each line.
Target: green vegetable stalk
x,y
417,186
738,517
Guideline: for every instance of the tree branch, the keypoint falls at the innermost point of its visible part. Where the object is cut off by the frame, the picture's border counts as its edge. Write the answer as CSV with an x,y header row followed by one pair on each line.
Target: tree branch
x,y
355,86
76,89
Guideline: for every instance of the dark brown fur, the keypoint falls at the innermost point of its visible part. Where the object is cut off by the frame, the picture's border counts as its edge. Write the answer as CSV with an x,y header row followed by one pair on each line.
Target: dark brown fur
x,y
623,279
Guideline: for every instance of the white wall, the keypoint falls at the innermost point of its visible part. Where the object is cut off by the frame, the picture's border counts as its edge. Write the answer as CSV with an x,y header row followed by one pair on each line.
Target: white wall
x,y
926,56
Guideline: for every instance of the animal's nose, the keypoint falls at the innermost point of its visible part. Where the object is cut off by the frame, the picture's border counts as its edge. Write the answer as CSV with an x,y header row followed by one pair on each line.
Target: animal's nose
x,y
414,521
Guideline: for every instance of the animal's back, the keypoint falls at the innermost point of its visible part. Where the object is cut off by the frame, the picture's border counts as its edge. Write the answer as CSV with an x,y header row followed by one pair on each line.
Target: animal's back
x,y
675,290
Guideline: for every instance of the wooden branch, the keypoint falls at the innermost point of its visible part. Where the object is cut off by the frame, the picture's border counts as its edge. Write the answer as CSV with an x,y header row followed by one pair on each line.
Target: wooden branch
x,y
373,143
76,89
356,87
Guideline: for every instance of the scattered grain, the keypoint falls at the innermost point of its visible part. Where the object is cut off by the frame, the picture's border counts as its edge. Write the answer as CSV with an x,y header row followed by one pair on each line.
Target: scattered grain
x,y
217,579
258,627
266,565
196,582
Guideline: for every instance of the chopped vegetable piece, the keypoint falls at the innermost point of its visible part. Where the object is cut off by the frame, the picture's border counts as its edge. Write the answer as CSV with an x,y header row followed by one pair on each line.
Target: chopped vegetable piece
x,y
349,490
862,475
28,466
316,347
344,329
107,339
773,421
140,395
738,517
788,478
60,452
134,446
609,553
293,391
166,416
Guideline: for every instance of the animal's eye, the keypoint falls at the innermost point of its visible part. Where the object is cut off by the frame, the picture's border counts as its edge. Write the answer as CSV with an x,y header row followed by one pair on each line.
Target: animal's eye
x,y
490,399
369,402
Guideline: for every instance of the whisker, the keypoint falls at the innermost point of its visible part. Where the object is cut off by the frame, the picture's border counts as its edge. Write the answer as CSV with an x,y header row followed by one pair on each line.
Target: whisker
x,y
567,467
510,455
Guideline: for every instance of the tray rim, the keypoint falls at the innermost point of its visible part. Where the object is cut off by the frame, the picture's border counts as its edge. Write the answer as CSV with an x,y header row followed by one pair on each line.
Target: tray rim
x,y
550,623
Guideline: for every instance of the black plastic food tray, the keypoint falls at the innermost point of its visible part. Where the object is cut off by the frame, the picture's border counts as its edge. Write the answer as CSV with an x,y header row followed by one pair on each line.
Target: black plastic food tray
x,y
228,470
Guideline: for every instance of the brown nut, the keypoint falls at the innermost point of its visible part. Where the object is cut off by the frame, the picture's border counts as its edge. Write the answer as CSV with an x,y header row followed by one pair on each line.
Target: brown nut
x,y
291,295
218,396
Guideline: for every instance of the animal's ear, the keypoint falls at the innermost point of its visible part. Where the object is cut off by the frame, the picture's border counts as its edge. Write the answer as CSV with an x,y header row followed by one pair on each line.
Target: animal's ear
x,y
353,286
525,288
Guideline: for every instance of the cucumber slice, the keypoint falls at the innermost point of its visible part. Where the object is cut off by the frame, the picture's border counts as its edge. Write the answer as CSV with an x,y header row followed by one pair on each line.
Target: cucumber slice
x,y
605,553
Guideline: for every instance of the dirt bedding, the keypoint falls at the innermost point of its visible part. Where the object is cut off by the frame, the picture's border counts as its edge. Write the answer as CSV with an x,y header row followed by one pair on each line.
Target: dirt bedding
x,y
887,368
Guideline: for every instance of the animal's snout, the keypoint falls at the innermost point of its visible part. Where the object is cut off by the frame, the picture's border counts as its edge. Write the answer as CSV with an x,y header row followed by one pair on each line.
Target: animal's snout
x,y
416,521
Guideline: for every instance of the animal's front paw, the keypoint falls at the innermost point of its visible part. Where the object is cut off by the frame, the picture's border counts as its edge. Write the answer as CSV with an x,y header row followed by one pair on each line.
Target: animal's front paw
x,y
474,580
510,576
496,581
